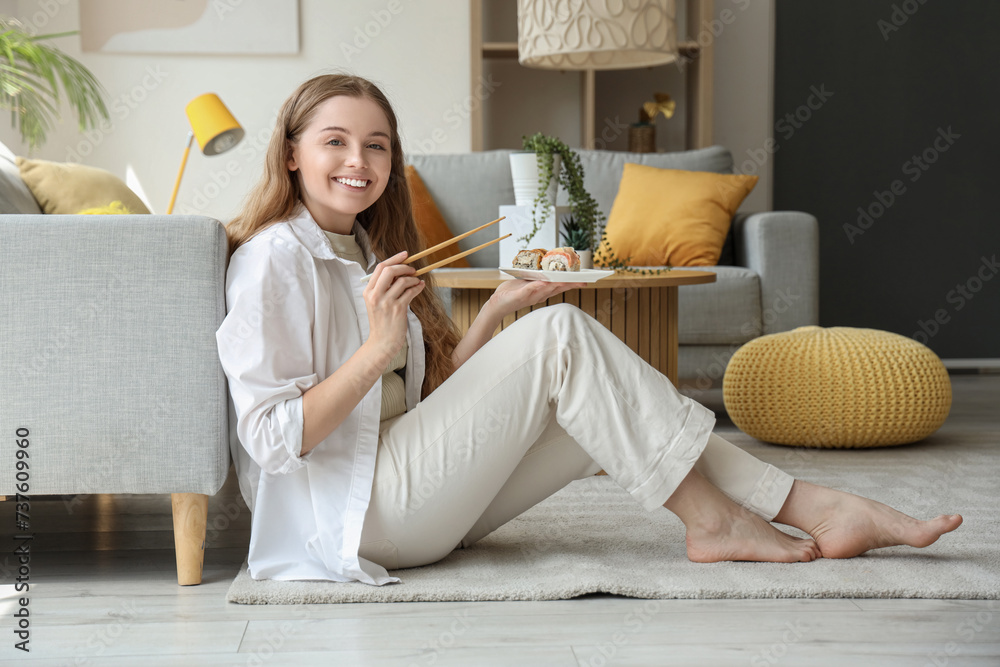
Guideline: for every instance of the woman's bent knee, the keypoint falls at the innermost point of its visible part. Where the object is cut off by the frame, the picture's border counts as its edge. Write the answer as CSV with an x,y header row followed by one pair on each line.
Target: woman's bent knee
x,y
560,322
548,317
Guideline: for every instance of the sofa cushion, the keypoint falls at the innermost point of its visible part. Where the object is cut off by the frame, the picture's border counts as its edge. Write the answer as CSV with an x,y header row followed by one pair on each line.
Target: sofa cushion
x,y
15,197
431,224
725,312
67,188
673,217
603,169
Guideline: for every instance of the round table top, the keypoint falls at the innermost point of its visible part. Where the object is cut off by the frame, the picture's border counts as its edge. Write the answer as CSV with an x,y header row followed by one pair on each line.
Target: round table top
x,y
491,278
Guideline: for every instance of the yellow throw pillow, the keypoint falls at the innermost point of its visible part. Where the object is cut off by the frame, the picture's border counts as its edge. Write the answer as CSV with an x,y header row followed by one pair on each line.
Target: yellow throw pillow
x,y
430,222
671,217
114,208
66,188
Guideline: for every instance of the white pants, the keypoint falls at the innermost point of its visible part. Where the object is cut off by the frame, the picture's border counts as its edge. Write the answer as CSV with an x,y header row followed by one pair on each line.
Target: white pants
x,y
553,398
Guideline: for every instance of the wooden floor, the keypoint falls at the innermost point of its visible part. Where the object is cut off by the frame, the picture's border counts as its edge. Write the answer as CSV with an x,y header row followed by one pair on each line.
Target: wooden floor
x,y
103,592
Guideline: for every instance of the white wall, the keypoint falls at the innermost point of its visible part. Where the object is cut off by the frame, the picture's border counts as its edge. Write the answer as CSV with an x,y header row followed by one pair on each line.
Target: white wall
x,y
420,58
743,35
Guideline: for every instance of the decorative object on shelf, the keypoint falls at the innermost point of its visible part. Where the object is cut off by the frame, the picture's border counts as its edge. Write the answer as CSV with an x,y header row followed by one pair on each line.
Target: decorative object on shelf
x,y
598,34
31,76
642,135
525,170
213,126
577,238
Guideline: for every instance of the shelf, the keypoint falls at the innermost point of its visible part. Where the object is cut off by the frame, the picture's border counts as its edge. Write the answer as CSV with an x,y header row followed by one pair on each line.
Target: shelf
x,y
589,103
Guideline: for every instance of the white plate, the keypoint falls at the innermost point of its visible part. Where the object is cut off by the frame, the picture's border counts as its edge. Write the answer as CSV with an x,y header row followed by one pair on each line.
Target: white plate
x,y
581,276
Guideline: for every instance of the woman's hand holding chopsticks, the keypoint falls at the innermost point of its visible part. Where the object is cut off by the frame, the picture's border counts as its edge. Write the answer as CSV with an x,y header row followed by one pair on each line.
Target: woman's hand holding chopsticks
x,y
392,287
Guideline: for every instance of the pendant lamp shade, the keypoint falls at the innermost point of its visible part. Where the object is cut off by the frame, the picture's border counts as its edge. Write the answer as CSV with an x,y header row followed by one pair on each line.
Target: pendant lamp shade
x,y
596,34
214,127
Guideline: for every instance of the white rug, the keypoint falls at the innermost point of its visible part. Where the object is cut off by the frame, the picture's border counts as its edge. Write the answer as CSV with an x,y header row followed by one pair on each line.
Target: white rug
x,y
591,537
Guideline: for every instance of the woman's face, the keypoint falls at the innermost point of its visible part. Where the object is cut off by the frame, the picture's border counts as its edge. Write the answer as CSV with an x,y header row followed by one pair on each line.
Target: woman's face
x,y
343,158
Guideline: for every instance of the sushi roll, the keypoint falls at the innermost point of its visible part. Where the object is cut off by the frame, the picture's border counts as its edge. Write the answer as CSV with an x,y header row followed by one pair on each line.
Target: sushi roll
x,y
529,259
561,259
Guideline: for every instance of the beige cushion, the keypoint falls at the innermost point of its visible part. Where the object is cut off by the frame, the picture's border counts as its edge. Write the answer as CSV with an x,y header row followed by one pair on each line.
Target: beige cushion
x,y
66,188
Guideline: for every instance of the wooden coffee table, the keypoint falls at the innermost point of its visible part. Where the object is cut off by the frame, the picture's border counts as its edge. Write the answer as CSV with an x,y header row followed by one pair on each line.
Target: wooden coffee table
x,y
639,310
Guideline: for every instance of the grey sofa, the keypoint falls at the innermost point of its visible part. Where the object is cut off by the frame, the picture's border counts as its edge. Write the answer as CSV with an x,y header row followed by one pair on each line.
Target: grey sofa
x,y
108,361
770,282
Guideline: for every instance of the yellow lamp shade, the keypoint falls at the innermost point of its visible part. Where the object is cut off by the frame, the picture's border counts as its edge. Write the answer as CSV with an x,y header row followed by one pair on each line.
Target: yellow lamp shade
x,y
213,126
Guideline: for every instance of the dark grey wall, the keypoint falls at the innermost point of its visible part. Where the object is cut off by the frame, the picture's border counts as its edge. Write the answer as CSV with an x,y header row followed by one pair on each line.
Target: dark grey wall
x,y
892,107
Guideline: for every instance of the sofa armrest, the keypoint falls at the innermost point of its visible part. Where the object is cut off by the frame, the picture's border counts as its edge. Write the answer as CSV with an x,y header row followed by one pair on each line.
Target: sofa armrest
x,y
109,354
782,247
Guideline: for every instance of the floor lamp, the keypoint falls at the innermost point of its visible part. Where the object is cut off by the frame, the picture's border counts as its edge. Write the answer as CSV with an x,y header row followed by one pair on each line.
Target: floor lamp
x,y
215,129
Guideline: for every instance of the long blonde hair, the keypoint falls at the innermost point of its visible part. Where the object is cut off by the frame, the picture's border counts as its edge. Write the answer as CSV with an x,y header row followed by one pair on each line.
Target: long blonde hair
x,y
389,221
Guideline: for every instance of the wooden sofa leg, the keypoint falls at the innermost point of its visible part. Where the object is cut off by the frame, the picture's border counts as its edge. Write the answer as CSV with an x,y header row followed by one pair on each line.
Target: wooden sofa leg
x,y
190,524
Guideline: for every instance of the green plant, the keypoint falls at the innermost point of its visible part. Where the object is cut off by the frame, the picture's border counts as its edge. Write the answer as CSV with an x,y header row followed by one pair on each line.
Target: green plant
x,y
575,236
33,77
586,214
588,220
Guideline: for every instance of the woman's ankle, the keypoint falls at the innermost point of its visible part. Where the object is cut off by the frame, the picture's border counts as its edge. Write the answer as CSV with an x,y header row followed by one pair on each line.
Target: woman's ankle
x,y
801,508
697,502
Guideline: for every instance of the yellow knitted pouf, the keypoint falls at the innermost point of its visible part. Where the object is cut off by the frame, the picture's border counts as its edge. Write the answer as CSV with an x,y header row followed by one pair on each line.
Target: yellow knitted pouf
x,y
836,387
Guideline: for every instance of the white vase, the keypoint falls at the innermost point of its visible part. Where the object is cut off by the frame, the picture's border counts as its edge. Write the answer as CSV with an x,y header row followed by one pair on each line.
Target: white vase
x,y
586,258
524,173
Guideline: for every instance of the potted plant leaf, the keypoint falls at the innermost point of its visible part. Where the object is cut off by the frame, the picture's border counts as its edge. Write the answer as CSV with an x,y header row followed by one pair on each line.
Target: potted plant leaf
x,y
33,79
580,240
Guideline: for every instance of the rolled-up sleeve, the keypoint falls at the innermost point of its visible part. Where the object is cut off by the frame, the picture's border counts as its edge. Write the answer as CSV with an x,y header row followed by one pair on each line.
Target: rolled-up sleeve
x,y
266,349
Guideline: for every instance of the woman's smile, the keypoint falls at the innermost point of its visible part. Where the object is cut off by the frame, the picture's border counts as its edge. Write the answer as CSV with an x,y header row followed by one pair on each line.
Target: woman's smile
x,y
353,184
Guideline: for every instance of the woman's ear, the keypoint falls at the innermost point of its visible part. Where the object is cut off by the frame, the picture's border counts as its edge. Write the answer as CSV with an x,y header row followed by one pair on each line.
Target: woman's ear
x,y
290,161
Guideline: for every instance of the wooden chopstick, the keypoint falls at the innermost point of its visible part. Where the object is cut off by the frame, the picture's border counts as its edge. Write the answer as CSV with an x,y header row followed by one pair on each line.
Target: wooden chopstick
x,y
444,244
460,255
449,260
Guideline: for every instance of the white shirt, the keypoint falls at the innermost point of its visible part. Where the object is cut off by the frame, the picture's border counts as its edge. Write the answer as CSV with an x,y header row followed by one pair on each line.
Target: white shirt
x,y
295,315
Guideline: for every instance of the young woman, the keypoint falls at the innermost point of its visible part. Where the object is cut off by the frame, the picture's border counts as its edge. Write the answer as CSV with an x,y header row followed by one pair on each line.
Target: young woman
x,y
372,438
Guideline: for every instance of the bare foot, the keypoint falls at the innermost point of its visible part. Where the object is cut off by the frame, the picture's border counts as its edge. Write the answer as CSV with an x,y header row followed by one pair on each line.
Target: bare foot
x,y
845,525
741,535
720,530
